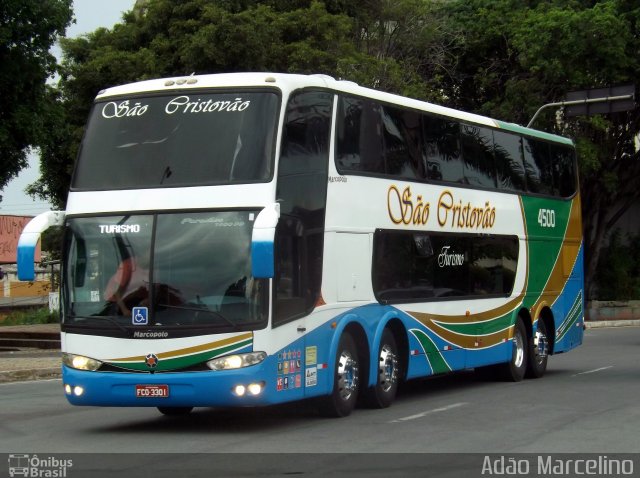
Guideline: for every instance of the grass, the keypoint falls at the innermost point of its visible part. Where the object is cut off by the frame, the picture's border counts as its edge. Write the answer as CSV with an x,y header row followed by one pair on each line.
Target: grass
x,y
30,317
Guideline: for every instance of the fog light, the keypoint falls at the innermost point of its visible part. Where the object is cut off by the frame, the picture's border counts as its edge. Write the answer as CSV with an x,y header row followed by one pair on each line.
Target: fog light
x,y
255,388
239,390
77,390
67,389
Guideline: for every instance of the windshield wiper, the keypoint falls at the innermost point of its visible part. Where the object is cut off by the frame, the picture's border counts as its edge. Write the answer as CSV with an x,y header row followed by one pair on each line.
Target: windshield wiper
x,y
99,318
201,309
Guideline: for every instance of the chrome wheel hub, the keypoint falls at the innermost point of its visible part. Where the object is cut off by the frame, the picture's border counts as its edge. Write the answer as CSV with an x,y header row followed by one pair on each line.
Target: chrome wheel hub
x,y
519,352
387,368
541,346
347,375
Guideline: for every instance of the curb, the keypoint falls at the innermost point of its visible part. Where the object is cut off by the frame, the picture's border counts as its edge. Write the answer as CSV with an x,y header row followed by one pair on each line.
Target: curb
x,y
30,374
611,323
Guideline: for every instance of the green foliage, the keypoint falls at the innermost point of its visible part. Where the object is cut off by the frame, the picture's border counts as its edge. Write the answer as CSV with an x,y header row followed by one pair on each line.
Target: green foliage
x,y
31,317
383,44
517,56
618,273
28,29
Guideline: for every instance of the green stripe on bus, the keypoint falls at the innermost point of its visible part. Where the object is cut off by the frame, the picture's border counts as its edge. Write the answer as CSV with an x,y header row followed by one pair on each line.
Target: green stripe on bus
x,y
516,128
478,328
165,365
544,242
434,356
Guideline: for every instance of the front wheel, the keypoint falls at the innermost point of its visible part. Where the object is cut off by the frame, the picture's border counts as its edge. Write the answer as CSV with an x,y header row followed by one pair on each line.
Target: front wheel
x,y
538,352
388,372
346,380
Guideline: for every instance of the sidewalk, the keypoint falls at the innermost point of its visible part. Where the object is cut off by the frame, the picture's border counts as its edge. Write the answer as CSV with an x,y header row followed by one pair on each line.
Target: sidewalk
x,y
25,363
29,364
39,364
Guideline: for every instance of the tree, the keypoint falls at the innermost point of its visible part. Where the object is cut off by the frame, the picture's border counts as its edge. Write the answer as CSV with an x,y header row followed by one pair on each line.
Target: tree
x,y
517,56
28,29
160,38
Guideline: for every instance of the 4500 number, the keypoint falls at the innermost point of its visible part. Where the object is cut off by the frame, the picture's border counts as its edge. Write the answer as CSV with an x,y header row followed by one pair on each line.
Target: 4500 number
x,y
547,218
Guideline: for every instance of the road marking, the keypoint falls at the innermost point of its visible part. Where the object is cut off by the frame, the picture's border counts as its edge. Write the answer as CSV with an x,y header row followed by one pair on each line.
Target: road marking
x,y
429,412
593,371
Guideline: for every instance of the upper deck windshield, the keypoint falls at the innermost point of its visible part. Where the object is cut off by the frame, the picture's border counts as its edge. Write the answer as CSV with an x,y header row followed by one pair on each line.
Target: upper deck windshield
x,y
181,269
183,139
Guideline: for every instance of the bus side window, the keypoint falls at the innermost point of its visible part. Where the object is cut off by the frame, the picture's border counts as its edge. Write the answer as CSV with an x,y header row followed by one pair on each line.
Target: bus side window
x,y
508,158
402,143
442,149
359,136
563,161
477,152
537,163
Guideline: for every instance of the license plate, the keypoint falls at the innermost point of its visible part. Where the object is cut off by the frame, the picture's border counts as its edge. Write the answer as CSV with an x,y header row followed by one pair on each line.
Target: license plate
x,y
152,391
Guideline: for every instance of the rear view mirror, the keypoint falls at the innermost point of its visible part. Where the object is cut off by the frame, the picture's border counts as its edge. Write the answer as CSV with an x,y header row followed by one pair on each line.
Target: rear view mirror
x,y
262,242
29,240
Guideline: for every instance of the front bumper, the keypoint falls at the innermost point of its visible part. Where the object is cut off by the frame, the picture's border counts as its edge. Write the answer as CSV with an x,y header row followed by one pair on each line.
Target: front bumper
x,y
186,389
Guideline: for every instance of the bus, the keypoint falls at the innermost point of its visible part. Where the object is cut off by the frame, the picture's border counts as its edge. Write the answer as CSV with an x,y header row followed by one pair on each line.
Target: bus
x,y
249,239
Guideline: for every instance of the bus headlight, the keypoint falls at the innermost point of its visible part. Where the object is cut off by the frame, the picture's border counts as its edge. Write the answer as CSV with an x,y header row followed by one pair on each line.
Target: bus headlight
x,y
231,362
80,362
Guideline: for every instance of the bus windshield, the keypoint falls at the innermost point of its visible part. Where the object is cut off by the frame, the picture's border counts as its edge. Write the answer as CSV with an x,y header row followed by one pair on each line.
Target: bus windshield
x,y
186,269
183,139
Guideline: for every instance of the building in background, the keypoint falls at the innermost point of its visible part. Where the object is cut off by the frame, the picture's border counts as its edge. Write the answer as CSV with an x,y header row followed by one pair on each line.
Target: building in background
x,y
13,292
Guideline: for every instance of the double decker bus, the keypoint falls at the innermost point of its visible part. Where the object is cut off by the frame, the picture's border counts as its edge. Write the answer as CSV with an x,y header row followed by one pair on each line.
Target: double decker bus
x,y
253,239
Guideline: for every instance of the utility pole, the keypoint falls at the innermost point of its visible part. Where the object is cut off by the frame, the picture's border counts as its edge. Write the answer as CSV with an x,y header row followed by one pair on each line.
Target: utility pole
x,y
594,101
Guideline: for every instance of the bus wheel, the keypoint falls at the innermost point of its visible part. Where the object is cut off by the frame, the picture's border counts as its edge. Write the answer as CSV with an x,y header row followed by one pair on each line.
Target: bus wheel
x,y
539,352
515,369
175,410
346,381
384,391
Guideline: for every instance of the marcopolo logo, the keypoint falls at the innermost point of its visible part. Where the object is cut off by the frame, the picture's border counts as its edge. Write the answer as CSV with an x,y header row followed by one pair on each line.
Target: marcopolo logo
x,y
38,467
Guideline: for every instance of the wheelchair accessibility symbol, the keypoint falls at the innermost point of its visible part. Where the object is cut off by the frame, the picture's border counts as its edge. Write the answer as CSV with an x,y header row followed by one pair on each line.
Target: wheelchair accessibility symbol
x,y
140,316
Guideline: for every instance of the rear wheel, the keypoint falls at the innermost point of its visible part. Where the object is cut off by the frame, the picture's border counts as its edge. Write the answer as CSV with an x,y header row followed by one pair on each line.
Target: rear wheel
x,y
175,410
515,369
388,373
346,380
539,352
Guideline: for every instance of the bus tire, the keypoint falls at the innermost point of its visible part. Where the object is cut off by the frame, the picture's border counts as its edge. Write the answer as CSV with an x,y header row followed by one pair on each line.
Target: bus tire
x,y
538,352
173,411
514,370
382,394
346,380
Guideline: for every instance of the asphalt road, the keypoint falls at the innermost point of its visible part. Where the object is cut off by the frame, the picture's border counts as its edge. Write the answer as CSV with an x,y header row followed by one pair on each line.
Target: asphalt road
x,y
586,403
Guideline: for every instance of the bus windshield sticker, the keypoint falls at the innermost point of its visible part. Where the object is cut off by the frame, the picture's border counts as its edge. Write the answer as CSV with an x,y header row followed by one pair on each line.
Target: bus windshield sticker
x,y
183,104
120,110
119,228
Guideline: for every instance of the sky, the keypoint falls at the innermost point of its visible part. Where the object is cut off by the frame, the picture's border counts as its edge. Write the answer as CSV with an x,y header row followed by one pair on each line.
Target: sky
x,y
89,15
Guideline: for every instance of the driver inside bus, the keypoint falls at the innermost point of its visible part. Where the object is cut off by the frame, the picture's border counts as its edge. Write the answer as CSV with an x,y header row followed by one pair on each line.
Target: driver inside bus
x,y
129,286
